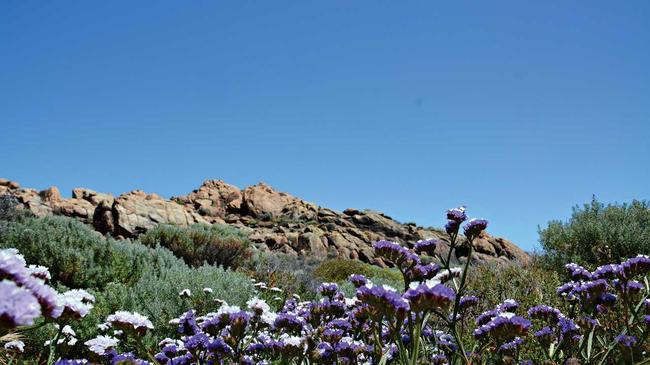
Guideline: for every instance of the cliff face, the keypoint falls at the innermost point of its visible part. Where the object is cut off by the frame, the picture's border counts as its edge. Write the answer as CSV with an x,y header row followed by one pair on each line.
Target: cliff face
x,y
274,221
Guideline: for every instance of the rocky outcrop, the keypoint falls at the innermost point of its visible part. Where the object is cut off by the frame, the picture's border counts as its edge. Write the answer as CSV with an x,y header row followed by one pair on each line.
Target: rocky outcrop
x,y
274,221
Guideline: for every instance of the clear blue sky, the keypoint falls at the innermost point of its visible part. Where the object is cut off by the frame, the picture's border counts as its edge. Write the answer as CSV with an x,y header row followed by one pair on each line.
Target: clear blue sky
x,y
518,109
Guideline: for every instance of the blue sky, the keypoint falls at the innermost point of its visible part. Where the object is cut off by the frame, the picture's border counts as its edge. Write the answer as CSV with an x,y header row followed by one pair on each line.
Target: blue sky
x,y
519,110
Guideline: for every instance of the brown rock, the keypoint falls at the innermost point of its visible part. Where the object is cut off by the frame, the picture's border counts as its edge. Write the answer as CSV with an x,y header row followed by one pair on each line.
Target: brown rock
x,y
214,198
51,195
75,208
261,201
136,212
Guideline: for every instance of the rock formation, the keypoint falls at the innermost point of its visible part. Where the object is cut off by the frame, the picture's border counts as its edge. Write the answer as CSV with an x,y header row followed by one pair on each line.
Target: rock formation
x,y
273,221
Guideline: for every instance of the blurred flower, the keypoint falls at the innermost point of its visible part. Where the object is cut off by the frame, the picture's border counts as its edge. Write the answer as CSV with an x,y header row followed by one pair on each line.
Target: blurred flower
x,y
15,346
18,307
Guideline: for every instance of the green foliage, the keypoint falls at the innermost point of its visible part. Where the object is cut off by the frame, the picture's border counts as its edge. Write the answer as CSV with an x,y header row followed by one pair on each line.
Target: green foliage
x,y
215,244
122,275
529,284
338,270
294,274
79,257
597,234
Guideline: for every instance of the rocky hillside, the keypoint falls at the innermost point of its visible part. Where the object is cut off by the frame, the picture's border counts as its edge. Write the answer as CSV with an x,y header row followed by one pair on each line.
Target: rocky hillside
x,y
273,220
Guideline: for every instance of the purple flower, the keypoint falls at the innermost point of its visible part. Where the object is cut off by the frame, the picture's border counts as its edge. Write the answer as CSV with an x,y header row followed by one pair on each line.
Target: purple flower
x,y
628,287
567,328
457,214
427,298
468,301
636,266
421,272
18,306
504,327
452,227
486,316
395,253
544,335
512,345
508,305
382,301
328,289
578,272
71,362
324,351
625,340
545,312
358,280
288,322
427,246
474,227
187,323
609,271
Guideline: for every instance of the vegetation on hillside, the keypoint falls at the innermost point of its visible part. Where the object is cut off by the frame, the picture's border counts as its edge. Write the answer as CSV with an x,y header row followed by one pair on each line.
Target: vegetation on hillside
x,y
219,300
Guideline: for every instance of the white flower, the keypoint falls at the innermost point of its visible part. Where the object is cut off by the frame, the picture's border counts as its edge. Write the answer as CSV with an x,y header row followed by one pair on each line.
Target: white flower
x,y
268,317
100,344
207,290
68,331
76,303
389,288
225,308
258,305
185,293
40,272
72,341
15,346
130,320
276,289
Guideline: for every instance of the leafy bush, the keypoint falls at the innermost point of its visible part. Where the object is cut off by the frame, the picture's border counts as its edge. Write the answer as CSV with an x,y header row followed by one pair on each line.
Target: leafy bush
x,y
339,270
79,257
8,205
528,284
215,244
122,275
294,274
597,233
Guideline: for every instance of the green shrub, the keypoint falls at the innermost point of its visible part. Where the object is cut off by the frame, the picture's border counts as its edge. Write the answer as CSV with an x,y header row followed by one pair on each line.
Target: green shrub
x,y
122,275
79,257
529,284
597,234
215,244
338,270
294,274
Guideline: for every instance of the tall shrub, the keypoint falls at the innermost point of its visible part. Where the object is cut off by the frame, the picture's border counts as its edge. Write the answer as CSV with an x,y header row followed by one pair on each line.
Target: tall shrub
x,y
215,244
597,233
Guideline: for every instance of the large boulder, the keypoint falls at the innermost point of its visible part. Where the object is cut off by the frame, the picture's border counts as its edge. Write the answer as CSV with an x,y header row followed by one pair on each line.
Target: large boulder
x,y
214,199
263,202
136,212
